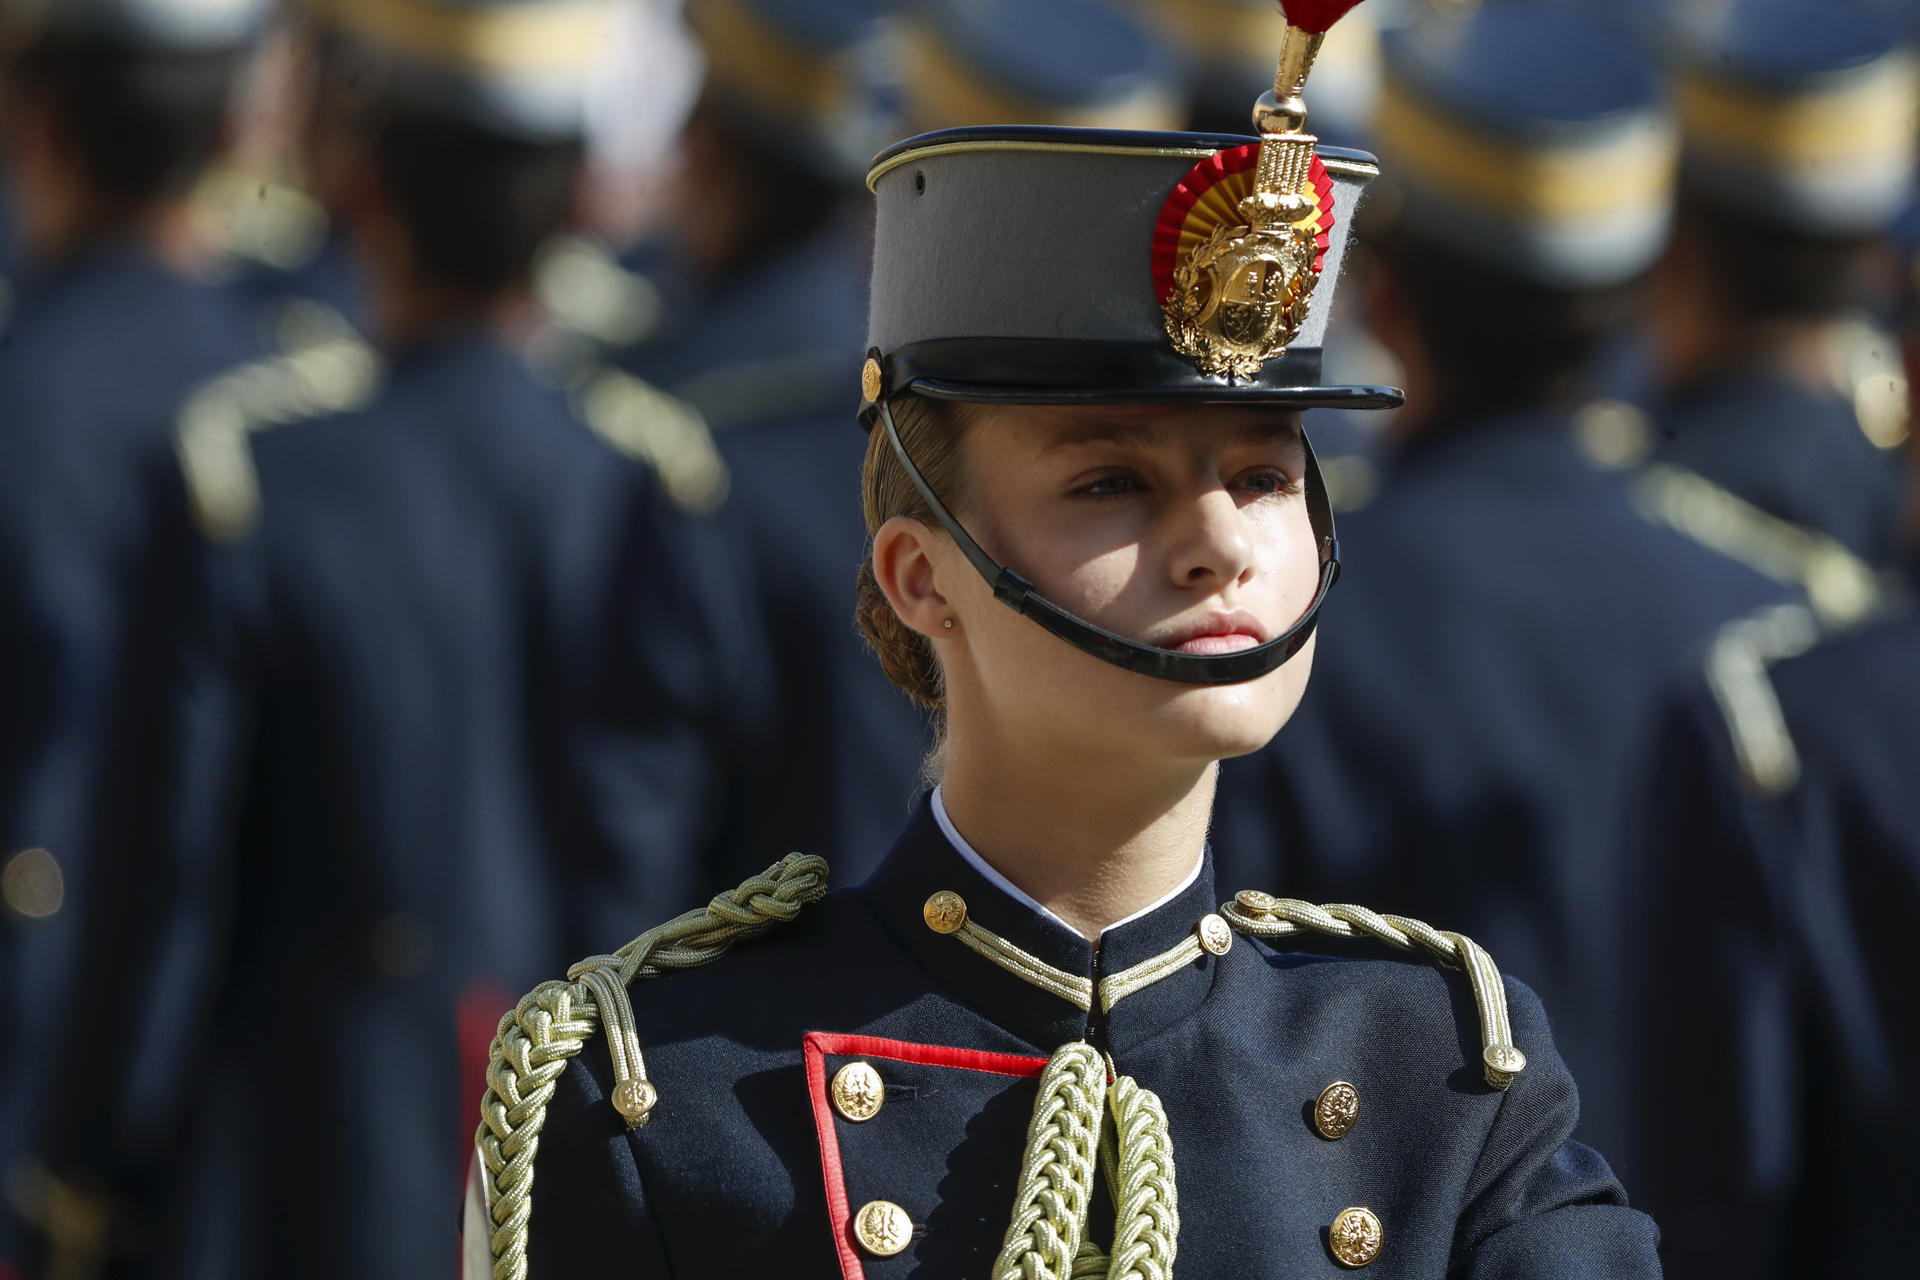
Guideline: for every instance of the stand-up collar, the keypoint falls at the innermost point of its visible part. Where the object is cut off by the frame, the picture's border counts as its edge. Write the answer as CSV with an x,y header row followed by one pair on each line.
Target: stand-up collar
x,y
923,862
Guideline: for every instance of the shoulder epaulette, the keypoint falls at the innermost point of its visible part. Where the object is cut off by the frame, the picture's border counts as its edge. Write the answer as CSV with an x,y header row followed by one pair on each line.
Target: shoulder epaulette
x,y
1842,587
324,367
584,289
1737,663
658,429
554,1021
1261,915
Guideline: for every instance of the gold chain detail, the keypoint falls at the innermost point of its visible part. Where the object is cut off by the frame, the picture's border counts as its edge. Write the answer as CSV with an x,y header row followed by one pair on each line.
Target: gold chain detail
x,y
554,1022
1281,917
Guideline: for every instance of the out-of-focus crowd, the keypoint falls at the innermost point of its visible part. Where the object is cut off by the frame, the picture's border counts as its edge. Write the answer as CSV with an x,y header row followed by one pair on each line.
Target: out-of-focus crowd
x,y
429,516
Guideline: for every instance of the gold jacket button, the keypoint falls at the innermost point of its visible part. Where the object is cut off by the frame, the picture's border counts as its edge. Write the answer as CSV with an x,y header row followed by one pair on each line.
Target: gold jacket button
x,y
1336,1110
858,1093
1256,903
1216,935
1355,1237
945,911
883,1228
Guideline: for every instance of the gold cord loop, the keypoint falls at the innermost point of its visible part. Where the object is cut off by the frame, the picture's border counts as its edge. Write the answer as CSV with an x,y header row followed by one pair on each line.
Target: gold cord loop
x,y
1047,1238
555,1020
1260,915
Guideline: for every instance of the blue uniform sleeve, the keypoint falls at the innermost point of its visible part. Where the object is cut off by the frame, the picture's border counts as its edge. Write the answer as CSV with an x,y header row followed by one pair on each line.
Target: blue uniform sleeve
x,y
591,1218
157,917
1540,1204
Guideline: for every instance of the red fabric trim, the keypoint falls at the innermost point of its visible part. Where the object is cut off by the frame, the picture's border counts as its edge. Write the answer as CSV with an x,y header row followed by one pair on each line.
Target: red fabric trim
x,y
819,1044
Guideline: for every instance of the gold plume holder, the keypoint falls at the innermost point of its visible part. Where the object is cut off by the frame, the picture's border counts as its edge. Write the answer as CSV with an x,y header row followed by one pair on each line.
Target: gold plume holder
x,y
1241,296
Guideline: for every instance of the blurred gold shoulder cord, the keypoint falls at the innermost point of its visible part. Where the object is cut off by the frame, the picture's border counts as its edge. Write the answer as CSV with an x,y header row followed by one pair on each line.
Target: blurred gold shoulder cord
x,y
554,1022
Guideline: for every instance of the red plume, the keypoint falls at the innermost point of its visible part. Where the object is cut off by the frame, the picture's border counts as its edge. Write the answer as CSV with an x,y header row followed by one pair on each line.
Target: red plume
x,y
1315,15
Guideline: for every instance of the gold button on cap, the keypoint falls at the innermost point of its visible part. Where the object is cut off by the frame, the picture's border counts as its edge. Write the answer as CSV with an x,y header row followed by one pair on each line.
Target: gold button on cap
x,y
871,382
1355,1237
858,1093
945,911
883,1228
1336,1110
1216,935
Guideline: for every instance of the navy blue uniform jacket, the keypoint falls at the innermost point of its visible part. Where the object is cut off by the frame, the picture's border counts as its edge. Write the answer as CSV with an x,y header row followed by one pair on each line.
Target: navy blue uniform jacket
x,y
1487,670
380,738
1789,910
745,1165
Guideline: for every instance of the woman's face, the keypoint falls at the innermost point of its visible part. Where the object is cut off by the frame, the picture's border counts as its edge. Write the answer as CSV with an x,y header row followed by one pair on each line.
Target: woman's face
x,y
1180,527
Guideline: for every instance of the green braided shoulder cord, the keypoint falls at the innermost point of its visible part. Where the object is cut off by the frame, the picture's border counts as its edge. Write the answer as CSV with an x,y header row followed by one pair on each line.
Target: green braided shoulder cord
x,y
1047,1238
553,1022
1261,915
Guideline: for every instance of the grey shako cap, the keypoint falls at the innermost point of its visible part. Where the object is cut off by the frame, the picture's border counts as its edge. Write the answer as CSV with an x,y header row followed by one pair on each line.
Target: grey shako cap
x,y
1015,264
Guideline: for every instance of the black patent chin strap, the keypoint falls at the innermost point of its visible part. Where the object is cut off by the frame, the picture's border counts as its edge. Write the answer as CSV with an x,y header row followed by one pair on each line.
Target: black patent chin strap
x,y
1017,593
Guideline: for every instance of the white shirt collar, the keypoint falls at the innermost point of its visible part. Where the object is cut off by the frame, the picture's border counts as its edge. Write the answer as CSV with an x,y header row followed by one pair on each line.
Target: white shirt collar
x,y
1014,891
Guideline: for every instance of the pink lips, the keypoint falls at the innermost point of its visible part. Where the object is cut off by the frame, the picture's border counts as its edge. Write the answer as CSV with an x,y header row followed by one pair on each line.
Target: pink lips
x,y
1233,643
1220,633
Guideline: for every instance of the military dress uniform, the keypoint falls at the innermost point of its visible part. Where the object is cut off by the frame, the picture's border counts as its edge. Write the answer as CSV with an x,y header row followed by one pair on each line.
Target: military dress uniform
x,y
1785,841
926,1073
398,701
1508,618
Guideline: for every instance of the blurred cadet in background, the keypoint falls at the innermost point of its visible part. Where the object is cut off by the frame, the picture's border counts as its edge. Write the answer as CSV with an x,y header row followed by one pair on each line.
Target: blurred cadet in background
x,y
364,805
1800,139
764,314
1509,617
110,112
1783,842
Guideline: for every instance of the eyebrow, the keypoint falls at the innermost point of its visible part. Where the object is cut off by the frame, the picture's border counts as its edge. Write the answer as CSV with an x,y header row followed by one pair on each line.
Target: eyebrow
x,y
1262,430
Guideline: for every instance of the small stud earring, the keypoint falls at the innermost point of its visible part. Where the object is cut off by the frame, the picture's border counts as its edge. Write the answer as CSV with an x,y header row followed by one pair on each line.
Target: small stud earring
x,y
948,624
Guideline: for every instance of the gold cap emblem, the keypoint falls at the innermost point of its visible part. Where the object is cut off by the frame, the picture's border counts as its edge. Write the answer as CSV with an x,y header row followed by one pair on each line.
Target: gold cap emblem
x,y
945,911
871,382
1239,244
1355,1237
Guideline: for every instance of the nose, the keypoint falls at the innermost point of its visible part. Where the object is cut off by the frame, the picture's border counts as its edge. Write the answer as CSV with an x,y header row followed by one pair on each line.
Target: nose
x,y
1210,544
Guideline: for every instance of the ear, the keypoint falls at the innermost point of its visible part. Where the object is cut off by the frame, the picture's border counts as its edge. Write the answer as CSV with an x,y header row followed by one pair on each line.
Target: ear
x,y
903,565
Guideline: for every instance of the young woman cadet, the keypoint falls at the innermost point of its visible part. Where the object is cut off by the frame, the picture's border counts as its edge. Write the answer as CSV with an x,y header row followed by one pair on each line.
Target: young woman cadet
x,y
1034,1043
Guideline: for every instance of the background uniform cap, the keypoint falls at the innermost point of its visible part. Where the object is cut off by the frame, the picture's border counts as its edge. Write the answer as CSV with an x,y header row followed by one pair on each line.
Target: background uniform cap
x,y
1800,112
186,25
522,68
1049,62
1534,139
815,69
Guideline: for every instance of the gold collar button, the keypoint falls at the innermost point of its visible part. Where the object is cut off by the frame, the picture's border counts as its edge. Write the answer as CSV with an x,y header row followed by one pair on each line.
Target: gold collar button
x,y
945,911
883,1228
1355,1237
1216,935
858,1093
1336,1110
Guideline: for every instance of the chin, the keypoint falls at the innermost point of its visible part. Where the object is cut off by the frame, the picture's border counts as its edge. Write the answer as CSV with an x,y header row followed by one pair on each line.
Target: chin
x,y
1218,722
